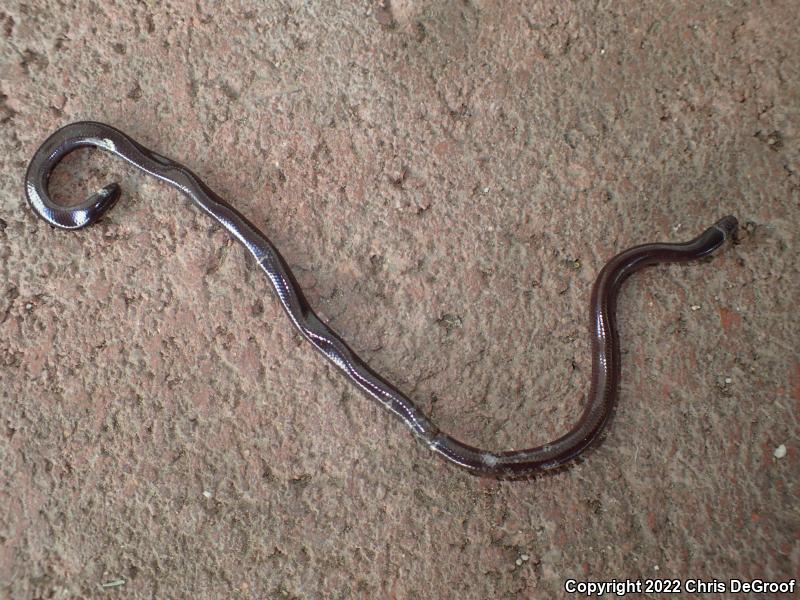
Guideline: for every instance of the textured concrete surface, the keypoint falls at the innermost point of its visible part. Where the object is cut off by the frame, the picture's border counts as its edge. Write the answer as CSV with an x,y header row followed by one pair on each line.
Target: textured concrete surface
x,y
446,178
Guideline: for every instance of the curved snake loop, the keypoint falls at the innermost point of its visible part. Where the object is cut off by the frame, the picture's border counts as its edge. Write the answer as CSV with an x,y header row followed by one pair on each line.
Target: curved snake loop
x,y
516,463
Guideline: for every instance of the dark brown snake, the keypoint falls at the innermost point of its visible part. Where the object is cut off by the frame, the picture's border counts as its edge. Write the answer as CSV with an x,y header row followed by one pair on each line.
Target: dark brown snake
x,y
515,463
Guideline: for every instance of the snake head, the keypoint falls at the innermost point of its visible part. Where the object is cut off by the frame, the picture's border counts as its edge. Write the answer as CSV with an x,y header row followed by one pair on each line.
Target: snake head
x,y
73,217
728,226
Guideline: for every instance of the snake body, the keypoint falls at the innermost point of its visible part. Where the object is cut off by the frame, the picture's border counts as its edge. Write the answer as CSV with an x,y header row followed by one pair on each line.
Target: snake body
x,y
515,463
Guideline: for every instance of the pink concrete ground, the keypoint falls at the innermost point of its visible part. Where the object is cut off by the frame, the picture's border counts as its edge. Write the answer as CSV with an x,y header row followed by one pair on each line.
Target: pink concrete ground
x,y
446,178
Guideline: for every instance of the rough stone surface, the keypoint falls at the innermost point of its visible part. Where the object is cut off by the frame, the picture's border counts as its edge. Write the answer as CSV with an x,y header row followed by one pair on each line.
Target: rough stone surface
x,y
446,178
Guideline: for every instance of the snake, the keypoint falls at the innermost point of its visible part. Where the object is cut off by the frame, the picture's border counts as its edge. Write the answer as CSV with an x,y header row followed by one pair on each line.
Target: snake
x,y
522,463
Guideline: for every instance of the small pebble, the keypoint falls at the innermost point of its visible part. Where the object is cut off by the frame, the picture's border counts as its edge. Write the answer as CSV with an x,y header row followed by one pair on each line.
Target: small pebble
x,y
780,452
524,557
728,380
28,306
207,494
695,307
